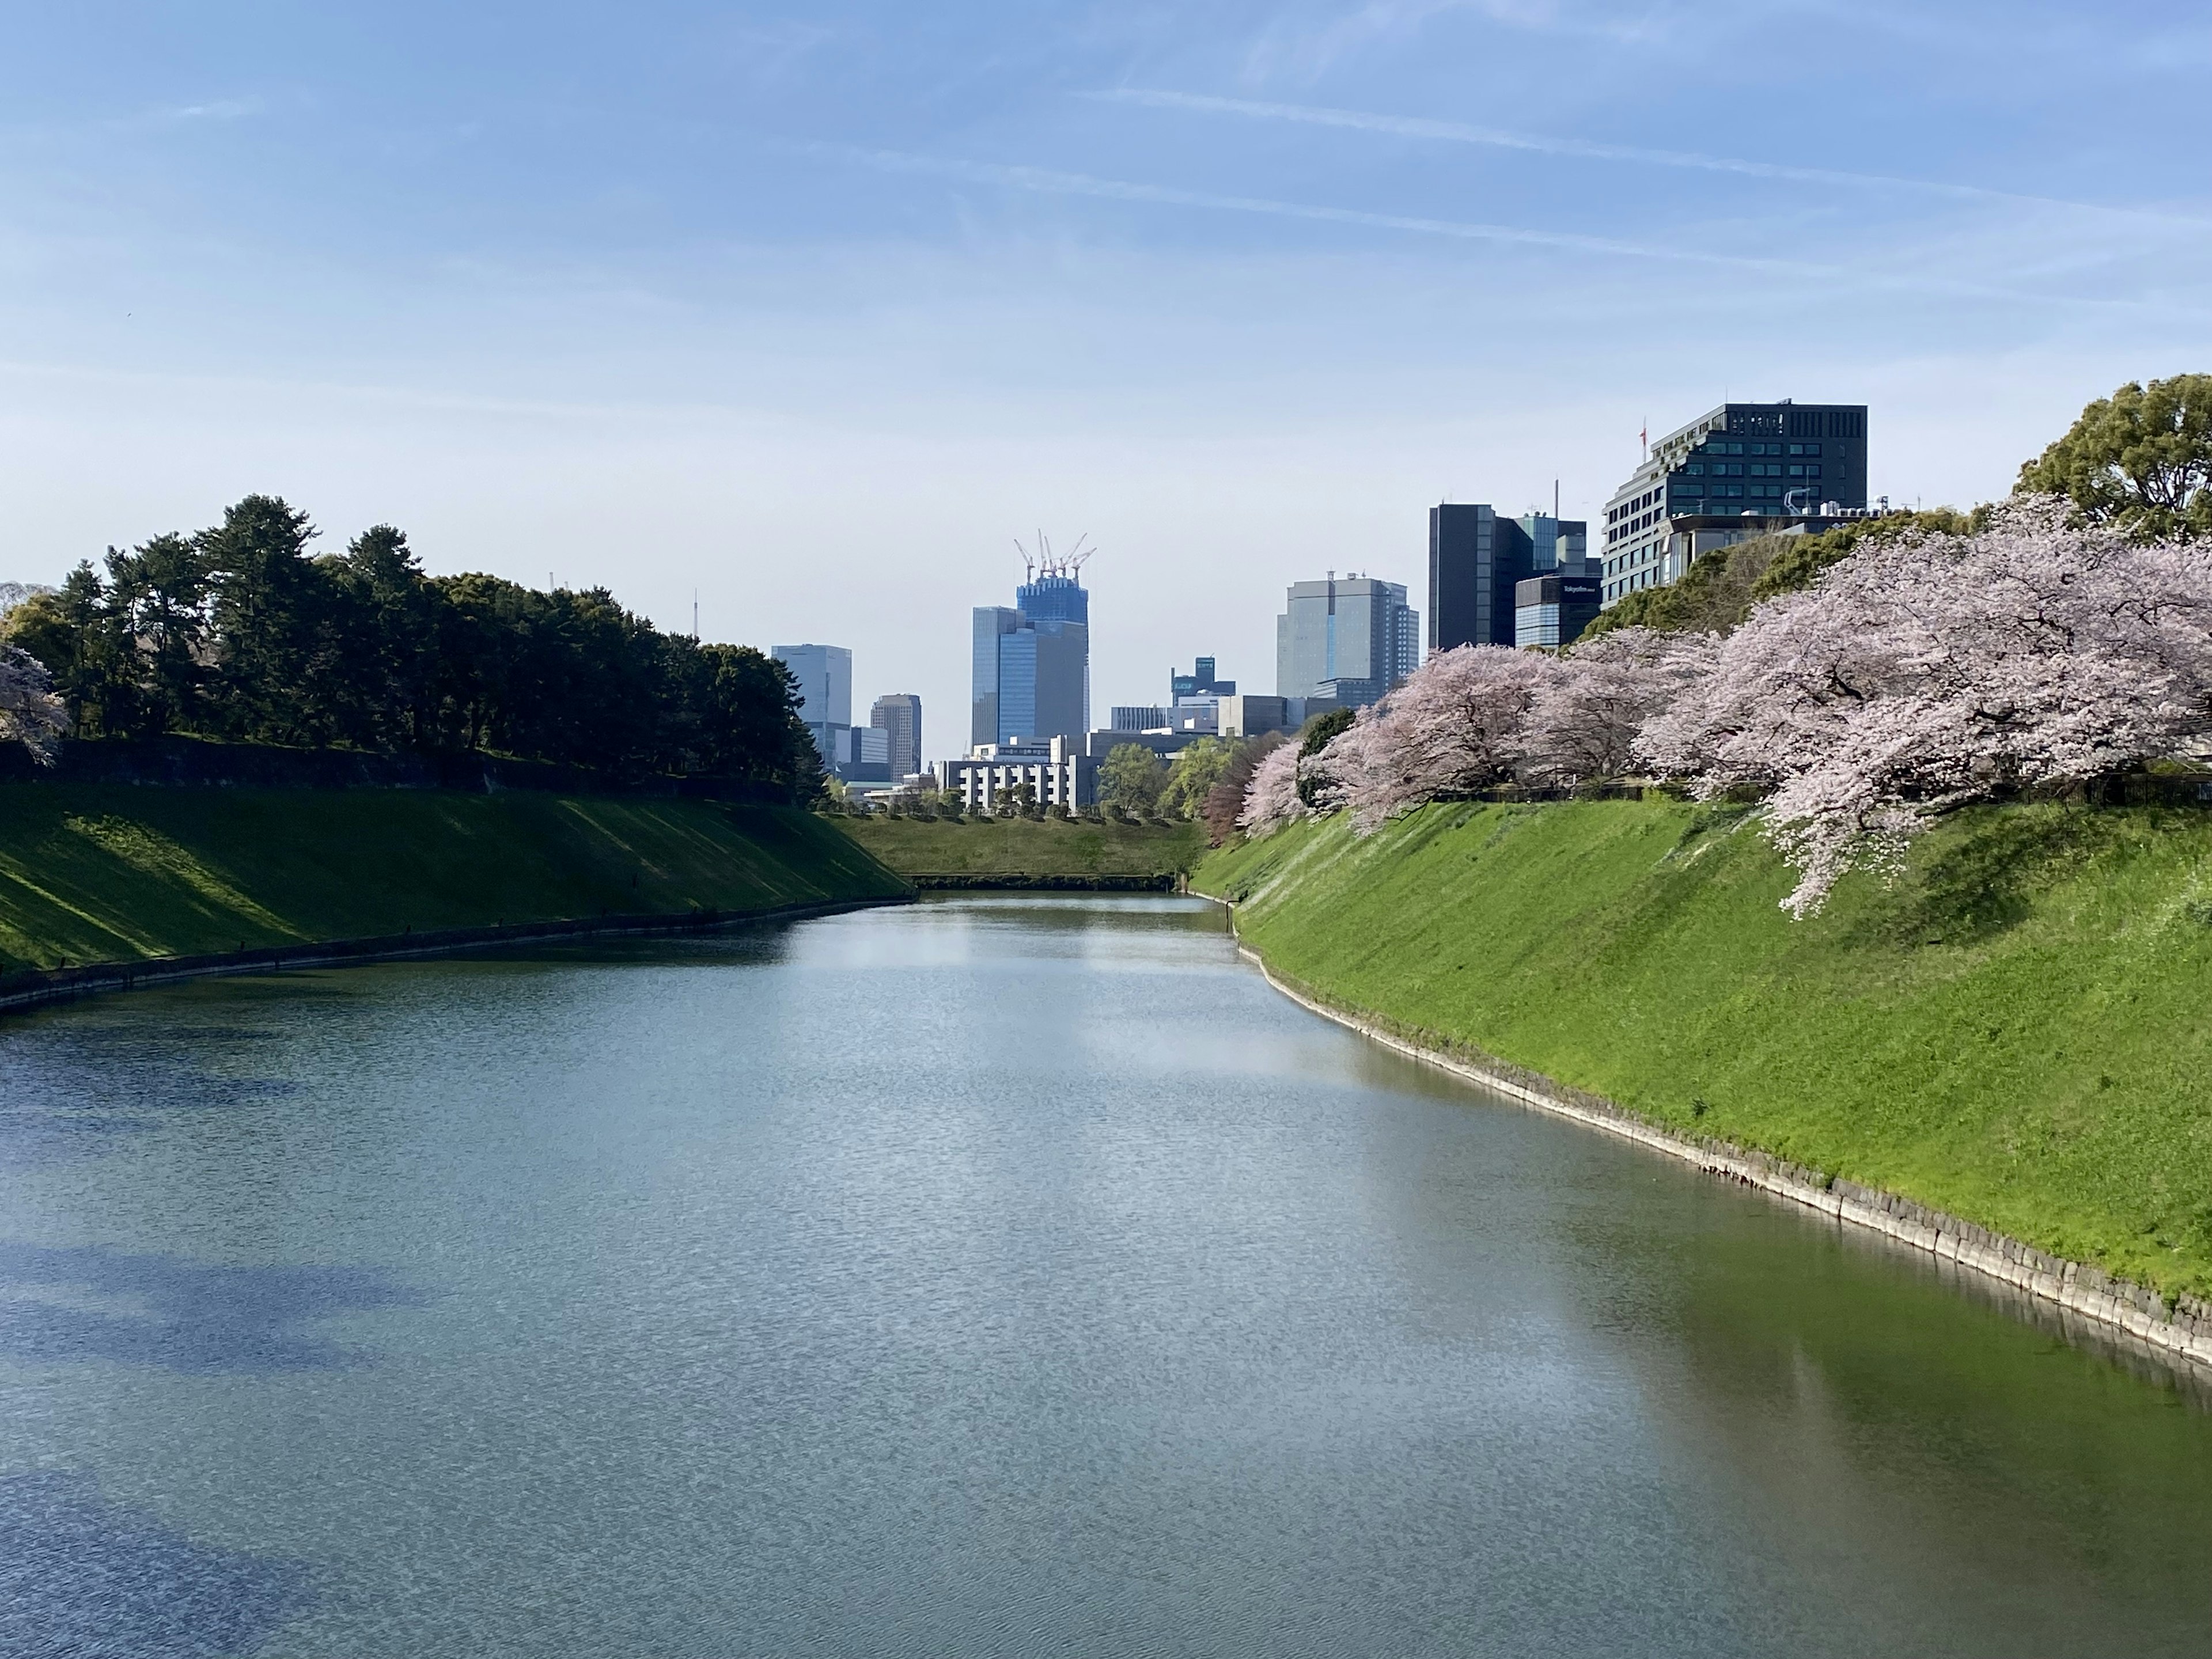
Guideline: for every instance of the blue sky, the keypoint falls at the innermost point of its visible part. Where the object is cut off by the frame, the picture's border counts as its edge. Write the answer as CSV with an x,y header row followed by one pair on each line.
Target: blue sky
x,y
815,310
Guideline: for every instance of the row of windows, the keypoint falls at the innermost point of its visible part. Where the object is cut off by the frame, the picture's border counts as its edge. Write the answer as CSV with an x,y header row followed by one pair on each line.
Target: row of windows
x,y
1717,446
1648,498
1738,469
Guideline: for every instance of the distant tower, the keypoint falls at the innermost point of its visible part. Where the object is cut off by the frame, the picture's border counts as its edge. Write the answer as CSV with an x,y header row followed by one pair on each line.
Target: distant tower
x,y
900,714
824,673
1347,639
1031,663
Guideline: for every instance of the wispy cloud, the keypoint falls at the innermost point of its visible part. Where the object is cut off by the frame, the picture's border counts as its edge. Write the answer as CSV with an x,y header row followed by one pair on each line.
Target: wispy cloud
x,y
1304,49
1052,182
219,109
1544,144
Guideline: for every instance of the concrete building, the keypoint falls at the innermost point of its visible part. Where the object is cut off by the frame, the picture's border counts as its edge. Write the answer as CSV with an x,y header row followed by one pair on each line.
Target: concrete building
x,y
1031,663
865,758
1058,774
824,673
900,715
1476,561
1739,470
1252,716
1137,717
1553,611
1347,640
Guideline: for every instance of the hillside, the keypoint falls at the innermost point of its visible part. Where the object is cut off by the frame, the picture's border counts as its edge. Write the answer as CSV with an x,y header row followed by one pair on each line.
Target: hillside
x,y
1007,849
110,872
2019,1031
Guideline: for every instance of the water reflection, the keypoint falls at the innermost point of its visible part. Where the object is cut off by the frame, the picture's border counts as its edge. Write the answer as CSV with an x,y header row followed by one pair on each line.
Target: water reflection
x,y
82,1578
88,1303
1006,1274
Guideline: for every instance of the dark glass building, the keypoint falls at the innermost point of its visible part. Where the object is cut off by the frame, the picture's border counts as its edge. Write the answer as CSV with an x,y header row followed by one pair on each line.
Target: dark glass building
x,y
1476,559
1553,611
1739,468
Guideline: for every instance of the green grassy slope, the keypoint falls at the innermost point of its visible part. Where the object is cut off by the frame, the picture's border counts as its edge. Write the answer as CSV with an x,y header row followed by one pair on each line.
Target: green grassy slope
x,y
2019,1031
108,872
1027,847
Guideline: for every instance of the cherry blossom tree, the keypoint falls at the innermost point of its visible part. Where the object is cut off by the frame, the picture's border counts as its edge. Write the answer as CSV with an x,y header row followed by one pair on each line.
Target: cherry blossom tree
x,y
30,712
1584,723
1927,671
1455,724
1271,799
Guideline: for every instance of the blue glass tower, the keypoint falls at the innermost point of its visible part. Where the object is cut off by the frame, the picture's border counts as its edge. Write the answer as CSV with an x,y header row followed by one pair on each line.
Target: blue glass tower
x,y
1031,680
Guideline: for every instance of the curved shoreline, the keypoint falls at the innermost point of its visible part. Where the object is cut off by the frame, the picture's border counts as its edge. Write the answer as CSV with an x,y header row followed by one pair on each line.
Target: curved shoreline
x,y
39,988
2183,1332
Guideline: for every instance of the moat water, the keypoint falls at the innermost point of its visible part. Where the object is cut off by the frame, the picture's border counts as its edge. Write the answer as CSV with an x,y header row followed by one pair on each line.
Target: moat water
x,y
987,1277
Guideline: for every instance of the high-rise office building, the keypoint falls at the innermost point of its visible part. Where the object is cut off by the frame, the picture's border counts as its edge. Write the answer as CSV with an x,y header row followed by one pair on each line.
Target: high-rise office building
x,y
900,714
1476,561
824,673
1738,470
1031,663
1348,640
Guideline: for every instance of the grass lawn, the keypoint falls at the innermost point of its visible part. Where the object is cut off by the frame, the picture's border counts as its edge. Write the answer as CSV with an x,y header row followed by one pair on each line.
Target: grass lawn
x,y
1026,847
2019,1031
108,872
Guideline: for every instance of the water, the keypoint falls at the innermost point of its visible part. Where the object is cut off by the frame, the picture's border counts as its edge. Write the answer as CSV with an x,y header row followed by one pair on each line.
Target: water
x,y
998,1276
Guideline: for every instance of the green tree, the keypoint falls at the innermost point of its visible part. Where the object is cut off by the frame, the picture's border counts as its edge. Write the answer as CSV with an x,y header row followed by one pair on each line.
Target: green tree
x,y
1192,776
279,643
1131,777
72,632
391,691
158,596
1313,737
2140,459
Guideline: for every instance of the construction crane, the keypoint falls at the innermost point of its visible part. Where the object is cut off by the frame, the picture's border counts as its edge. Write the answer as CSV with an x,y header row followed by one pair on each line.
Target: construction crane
x,y
1043,561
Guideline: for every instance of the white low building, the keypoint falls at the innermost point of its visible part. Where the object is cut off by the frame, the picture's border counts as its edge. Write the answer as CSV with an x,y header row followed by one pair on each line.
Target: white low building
x,y
1056,774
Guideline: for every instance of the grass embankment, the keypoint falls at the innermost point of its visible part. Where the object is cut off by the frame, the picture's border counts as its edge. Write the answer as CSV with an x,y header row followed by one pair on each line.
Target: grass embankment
x,y
112,873
1011,849
2018,1032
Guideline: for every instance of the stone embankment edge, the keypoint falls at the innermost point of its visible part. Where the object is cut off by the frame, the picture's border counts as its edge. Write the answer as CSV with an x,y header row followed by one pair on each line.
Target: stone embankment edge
x,y
2183,1331
964,881
64,985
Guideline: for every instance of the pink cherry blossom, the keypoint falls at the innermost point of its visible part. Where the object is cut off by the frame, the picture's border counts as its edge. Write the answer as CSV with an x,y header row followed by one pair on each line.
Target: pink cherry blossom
x,y
30,713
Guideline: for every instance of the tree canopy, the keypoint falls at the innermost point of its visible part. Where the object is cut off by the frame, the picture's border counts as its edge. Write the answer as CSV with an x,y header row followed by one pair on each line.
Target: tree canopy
x,y
240,632
1131,777
2140,460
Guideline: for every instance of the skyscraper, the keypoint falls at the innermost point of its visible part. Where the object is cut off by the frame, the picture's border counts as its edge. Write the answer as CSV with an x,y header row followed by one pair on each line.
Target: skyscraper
x,y
1031,663
824,673
1349,639
900,714
1476,559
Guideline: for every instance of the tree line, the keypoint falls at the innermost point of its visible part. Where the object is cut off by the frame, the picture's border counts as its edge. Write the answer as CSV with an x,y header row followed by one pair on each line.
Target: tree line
x,y
240,632
1859,686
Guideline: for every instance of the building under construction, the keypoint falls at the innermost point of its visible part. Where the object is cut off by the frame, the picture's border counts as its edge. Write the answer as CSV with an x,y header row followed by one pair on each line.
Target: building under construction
x,y
1032,660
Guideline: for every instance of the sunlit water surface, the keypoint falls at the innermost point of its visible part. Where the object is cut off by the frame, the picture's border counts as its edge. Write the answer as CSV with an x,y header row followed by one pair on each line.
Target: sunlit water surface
x,y
997,1276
